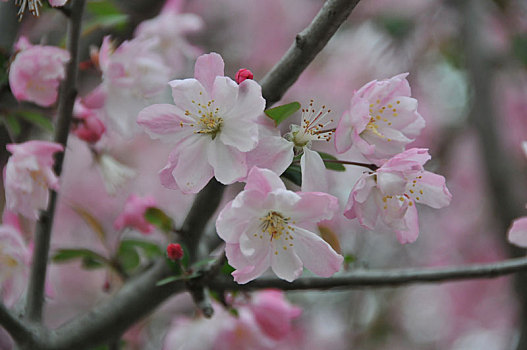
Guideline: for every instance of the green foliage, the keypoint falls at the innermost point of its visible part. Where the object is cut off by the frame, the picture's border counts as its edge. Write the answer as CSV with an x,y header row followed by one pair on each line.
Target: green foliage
x,y
281,113
12,124
293,174
131,251
227,269
396,26
331,165
90,259
104,15
159,219
37,119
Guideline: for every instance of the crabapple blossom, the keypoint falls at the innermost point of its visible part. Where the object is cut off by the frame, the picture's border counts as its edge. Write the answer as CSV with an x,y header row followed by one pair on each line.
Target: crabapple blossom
x,y
36,72
381,121
14,259
269,226
170,28
88,126
243,74
133,214
34,6
213,126
29,175
392,191
134,76
301,137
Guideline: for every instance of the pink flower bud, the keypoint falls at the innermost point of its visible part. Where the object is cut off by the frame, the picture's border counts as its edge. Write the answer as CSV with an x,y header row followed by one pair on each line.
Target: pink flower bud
x,y
243,74
89,129
174,251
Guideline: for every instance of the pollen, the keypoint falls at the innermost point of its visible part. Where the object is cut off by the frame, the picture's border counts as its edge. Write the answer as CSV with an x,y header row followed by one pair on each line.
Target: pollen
x,y
275,225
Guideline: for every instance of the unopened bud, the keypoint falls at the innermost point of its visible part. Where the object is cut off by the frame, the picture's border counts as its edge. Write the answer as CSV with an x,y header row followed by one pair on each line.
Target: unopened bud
x,y
174,251
89,129
243,74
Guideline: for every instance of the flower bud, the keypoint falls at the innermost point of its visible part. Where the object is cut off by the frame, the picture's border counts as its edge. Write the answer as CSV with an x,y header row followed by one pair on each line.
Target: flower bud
x,y
89,129
174,251
243,74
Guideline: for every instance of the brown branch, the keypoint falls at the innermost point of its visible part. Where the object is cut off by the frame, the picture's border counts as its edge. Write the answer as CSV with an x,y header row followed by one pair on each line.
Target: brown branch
x,y
307,45
68,92
381,278
21,332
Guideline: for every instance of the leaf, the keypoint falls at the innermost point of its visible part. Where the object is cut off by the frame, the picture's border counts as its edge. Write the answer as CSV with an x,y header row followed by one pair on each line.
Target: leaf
x,y
149,249
331,165
38,120
169,280
128,257
349,259
90,259
102,8
201,263
227,269
330,237
293,174
13,125
158,218
91,221
281,113
396,26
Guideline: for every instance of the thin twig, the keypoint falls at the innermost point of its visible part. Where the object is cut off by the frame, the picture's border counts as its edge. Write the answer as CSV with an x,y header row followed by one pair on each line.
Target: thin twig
x,y
14,326
372,167
68,92
306,46
382,278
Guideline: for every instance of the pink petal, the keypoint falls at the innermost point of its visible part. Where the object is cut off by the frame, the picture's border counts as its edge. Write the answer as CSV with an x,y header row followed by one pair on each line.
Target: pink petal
x,y
165,122
316,254
518,232
263,180
192,171
412,222
314,177
207,68
229,164
431,190
272,152
314,207
285,263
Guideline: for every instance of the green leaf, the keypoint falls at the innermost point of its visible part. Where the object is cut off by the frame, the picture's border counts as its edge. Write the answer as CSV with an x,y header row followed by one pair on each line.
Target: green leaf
x,y
128,257
227,269
90,263
149,249
169,280
281,113
293,174
37,119
349,259
102,8
13,125
90,259
331,165
158,218
396,26
202,263
519,48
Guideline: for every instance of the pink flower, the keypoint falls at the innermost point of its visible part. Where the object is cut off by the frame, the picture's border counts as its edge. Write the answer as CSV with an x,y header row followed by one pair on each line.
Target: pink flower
x,y
518,232
213,126
242,75
133,214
381,121
134,76
269,226
14,260
170,27
274,313
391,192
88,126
29,175
312,128
36,72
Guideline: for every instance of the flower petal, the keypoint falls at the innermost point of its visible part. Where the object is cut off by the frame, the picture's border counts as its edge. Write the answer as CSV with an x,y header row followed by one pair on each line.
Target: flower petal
x,y
165,122
192,171
207,68
518,232
229,164
316,254
263,180
285,263
412,222
314,177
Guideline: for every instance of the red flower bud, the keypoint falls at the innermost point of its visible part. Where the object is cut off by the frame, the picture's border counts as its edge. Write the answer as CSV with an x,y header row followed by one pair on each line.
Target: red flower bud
x,y
174,251
243,74
89,129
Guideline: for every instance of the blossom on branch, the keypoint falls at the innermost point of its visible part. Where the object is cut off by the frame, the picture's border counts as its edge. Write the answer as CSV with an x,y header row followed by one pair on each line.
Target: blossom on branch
x,y
133,214
36,72
269,226
391,192
381,121
213,126
29,175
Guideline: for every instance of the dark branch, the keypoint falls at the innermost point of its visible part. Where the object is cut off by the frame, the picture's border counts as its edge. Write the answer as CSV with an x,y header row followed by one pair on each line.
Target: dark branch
x,y
20,332
306,46
68,92
382,278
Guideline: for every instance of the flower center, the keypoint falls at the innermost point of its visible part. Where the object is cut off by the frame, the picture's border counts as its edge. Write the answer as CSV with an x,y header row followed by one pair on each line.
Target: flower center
x,y
277,227
207,120
312,128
